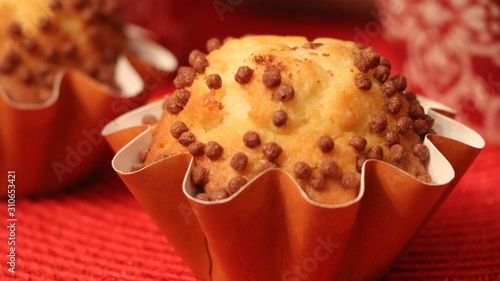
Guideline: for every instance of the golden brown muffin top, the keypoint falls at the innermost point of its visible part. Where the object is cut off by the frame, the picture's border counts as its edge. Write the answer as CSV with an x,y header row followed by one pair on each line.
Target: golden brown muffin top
x,y
316,109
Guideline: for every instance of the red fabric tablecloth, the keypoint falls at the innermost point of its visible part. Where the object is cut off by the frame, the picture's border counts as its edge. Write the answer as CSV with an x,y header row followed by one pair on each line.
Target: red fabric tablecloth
x,y
97,231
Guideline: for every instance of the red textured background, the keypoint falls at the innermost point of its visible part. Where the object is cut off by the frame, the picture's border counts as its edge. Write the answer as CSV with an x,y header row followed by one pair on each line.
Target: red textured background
x,y
97,231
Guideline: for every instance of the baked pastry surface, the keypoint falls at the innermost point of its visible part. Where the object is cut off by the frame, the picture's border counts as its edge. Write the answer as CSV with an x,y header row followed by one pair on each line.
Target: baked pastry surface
x,y
317,109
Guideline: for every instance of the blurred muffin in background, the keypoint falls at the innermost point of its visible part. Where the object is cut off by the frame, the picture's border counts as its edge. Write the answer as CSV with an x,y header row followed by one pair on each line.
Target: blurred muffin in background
x,y
38,38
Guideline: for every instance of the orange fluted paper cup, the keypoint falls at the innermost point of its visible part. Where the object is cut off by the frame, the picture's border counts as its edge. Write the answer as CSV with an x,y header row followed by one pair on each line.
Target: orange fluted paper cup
x,y
271,230
58,143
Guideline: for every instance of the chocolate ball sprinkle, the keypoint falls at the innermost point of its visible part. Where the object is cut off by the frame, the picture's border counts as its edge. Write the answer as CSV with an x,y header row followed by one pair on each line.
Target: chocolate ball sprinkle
x,y
10,61
109,55
219,194
196,149
106,75
385,62
361,64
213,150
362,82
389,88
15,30
239,161
381,73
143,153
243,75
182,96
417,111
391,138
214,81
284,93
318,181
270,165
88,66
328,168
29,44
400,81
251,139
95,35
44,24
79,4
302,170
425,177
149,119
213,44
43,70
90,15
26,76
203,196
421,151
360,160
325,144
378,123
350,180
398,153
394,105
359,143
280,118
48,80
12,57
430,121
186,138
161,157
178,128
367,60
200,176
371,56
271,78
272,151
410,96
420,127
6,68
55,5
198,60
185,77
136,167
50,54
173,106
404,125
236,184
375,152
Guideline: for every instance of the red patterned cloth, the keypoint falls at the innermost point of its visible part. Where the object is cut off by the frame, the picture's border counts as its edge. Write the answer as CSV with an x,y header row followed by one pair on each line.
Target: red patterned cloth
x,y
97,231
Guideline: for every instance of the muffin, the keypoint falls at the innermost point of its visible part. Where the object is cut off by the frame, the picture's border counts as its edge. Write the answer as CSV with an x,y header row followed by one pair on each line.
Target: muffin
x,y
68,67
41,37
316,109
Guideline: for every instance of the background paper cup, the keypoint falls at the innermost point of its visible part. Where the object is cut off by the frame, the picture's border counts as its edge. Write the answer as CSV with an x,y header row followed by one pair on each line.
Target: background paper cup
x,y
271,230
58,143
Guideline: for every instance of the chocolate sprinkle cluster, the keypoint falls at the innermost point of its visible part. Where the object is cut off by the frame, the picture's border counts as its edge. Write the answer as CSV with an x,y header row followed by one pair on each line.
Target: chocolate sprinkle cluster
x,y
370,62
